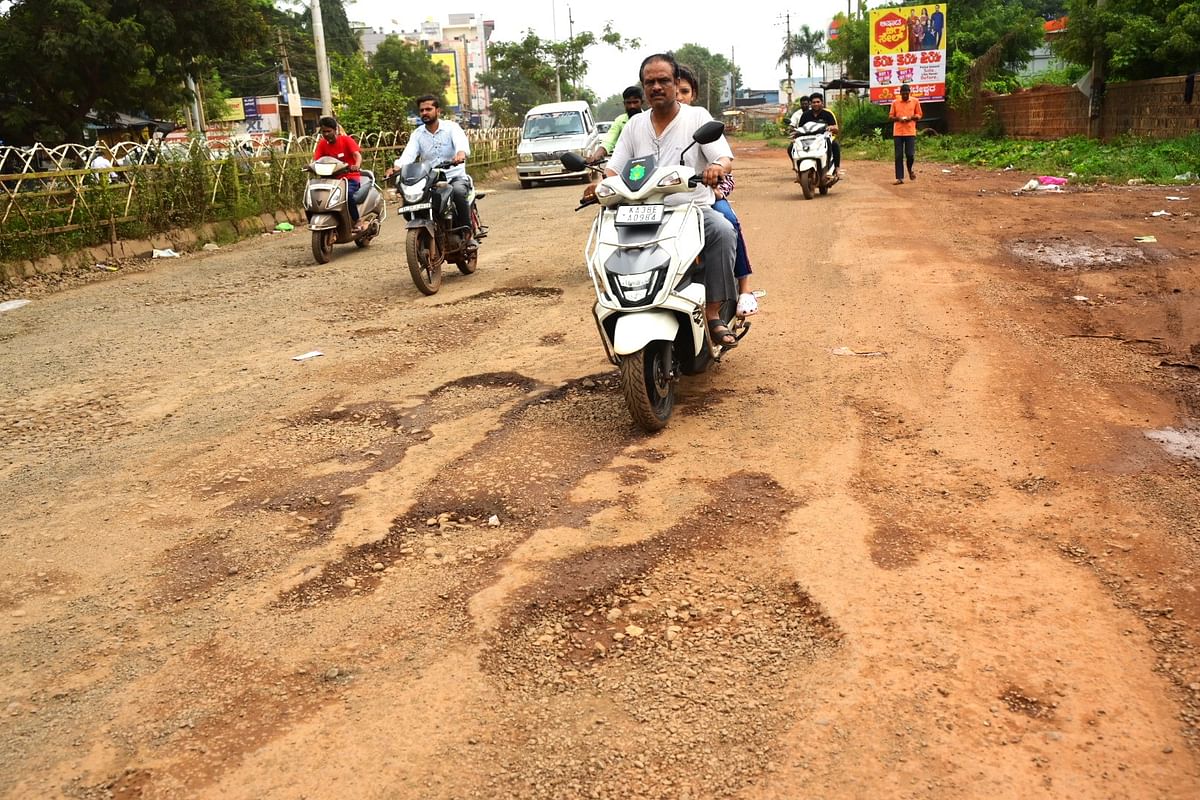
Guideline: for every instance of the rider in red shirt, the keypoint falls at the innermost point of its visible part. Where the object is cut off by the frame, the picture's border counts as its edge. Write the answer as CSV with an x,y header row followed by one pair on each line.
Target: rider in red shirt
x,y
344,149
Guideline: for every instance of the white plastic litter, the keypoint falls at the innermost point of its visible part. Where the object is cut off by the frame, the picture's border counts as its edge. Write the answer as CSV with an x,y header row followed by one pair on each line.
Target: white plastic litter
x,y
1173,197
1160,213
308,355
12,305
846,351
212,246
166,253
1080,298
1145,239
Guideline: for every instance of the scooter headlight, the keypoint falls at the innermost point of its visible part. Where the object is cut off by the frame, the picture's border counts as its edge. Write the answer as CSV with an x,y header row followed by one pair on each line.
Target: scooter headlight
x,y
636,287
335,196
412,194
671,180
603,191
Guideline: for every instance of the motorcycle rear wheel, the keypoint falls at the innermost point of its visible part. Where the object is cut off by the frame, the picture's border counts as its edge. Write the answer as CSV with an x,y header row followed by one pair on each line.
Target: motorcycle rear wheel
x,y
322,245
418,248
648,384
806,183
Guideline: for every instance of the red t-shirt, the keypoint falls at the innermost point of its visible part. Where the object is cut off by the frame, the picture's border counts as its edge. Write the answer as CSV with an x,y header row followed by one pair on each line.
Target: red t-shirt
x,y
343,149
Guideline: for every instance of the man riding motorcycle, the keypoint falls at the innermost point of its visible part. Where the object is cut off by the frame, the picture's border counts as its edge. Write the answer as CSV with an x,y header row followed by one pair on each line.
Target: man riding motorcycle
x,y
665,133
436,142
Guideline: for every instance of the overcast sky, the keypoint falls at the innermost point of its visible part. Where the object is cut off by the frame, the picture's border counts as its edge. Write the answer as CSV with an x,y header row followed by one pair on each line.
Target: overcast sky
x,y
753,29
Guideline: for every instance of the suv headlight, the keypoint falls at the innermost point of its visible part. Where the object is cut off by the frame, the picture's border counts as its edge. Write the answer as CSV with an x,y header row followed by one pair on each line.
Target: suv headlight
x,y
525,158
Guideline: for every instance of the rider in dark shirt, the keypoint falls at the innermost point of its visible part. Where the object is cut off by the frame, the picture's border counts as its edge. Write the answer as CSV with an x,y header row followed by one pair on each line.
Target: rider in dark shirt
x,y
818,113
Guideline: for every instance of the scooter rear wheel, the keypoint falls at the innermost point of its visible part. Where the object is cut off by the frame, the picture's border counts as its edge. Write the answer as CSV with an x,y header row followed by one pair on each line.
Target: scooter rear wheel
x,y
418,248
322,245
648,384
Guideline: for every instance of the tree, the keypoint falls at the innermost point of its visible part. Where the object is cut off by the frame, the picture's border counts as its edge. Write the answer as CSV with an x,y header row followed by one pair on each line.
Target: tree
x,y
805,43
1134,39
367,101
611,107
523,73
988,42
409,68
63,59
712,73
851,47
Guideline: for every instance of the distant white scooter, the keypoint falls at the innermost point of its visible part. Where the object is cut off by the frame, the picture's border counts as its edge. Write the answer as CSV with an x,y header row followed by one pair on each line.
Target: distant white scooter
x,y
812,158
644,260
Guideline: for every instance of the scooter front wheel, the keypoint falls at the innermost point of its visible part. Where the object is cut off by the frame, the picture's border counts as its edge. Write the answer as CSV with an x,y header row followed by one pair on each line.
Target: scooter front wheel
x,y
806,183
322,245
648,384
419,248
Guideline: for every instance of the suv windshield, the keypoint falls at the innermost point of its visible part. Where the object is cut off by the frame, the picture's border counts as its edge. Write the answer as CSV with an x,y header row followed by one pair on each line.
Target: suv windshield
x,y
558,123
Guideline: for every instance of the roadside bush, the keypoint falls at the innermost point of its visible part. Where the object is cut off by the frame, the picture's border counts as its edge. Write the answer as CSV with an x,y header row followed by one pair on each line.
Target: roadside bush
x,y
858,117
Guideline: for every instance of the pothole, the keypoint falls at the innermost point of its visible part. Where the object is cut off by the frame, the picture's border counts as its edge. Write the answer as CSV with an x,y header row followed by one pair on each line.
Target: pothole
x,y
511,291
1179,442
1063,253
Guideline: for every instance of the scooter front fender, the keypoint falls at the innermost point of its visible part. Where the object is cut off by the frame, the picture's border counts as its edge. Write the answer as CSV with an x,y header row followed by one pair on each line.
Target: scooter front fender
x,y
322,222
635,331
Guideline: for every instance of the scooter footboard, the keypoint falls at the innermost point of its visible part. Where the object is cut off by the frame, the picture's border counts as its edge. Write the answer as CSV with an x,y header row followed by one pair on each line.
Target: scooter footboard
x,y
635,331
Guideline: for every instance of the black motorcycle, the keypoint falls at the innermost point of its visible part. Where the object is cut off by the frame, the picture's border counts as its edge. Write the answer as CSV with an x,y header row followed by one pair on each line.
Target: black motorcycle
x,y
432,238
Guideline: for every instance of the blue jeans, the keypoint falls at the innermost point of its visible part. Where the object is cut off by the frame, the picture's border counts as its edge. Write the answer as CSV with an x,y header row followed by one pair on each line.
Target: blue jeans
x,y
352,186
741,261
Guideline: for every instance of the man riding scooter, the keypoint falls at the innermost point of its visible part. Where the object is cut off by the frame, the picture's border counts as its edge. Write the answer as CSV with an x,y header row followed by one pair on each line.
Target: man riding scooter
x,y
344,149
666,132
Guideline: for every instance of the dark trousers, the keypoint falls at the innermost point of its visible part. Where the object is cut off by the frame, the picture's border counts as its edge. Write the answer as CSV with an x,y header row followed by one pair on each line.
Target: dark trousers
x,y
906,150
836,150
741,261
459,189
352,187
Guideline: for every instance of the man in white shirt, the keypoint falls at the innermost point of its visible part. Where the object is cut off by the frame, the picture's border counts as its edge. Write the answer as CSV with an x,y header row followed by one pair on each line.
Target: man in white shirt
x,y
101,162
435,142
664,133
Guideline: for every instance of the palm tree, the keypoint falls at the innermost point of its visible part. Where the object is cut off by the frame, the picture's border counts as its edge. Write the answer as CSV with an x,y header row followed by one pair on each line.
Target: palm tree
x,y
808,44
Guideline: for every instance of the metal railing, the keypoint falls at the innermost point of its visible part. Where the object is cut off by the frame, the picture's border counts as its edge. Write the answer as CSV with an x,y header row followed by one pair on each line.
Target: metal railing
x,y
51,203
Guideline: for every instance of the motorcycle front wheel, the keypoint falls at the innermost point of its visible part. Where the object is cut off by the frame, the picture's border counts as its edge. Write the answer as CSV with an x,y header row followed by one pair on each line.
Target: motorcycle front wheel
x,y
648,384
419,248
322,245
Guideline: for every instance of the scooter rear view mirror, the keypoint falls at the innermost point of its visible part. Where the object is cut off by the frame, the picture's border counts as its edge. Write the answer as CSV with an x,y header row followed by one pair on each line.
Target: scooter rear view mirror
x,y
573,162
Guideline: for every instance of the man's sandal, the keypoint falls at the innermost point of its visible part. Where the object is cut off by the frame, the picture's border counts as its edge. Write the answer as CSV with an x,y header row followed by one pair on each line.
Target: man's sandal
x,y
721,334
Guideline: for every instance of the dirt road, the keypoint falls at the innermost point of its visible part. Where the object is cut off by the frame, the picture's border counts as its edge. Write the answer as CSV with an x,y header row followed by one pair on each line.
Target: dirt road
x,y
930,531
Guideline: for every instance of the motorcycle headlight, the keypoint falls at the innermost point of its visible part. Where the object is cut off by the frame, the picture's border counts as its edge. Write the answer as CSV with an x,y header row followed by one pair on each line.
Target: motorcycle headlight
x,y
525,158
412,194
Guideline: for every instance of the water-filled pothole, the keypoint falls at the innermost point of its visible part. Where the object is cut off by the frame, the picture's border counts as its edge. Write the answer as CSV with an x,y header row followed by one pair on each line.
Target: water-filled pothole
x,y
1179,442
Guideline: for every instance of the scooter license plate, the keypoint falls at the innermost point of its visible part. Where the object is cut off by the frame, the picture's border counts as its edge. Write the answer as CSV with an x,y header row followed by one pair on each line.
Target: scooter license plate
x,y
415,207
639,215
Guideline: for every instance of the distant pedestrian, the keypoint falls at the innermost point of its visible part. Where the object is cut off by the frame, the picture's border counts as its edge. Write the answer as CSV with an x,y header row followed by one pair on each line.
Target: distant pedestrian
x,y
904,115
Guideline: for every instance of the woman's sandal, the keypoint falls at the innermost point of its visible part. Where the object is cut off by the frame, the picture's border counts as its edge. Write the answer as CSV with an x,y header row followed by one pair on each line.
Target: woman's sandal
x,y
721,334
747,304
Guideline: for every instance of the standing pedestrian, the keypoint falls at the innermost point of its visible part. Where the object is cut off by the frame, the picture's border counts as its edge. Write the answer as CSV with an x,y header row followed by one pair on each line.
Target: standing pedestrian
x,y
904,115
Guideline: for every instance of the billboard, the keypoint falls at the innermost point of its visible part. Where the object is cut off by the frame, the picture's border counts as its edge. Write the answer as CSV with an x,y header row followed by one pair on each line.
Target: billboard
x,y
908,45
449,60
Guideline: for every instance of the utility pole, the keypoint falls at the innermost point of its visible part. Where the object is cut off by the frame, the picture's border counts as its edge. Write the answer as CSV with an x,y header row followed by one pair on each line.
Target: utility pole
x,y
788,47
287,75
322,60
554,33
571,39
197,109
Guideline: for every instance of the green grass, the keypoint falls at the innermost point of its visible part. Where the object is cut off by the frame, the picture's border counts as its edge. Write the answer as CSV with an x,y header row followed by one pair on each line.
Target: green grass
x,y
1152,160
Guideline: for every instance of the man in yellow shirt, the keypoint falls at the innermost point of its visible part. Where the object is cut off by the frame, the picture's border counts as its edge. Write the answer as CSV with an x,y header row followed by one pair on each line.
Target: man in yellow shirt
x,y
904,115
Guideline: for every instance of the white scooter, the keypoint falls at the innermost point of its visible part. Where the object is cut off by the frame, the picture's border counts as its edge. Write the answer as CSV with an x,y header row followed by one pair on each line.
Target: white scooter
x,y
812,158
643,257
